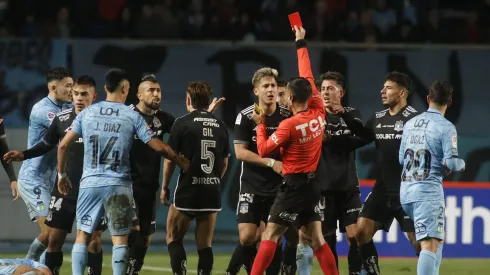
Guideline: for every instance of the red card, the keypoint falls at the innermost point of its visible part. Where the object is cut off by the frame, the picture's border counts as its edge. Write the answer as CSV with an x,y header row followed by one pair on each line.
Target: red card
x,y
295,19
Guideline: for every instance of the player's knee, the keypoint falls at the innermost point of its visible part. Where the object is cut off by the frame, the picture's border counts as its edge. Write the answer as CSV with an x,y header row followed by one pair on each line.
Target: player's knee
x,y
362,236
55,243
95,244
247,237
172,238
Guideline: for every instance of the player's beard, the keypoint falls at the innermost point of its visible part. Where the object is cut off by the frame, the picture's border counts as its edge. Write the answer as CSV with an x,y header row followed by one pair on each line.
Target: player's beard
x,y
153,105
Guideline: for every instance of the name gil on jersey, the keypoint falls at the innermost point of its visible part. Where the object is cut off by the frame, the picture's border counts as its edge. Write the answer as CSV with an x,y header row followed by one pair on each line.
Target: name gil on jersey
x,y
206,180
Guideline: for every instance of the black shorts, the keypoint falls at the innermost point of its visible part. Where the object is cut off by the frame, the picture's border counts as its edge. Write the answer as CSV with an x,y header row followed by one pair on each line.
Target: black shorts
x,y
195,214
342,206
383,208
145,208
62,213
253,208
297,201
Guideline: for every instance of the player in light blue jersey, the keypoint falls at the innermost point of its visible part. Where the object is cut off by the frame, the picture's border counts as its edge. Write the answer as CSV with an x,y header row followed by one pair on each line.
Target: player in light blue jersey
x,y
108,129
22,266
428,151
38,175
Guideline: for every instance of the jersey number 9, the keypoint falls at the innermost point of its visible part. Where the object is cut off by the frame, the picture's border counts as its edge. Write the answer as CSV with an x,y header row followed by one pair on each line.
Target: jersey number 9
x,y
104,157
208,155
413,164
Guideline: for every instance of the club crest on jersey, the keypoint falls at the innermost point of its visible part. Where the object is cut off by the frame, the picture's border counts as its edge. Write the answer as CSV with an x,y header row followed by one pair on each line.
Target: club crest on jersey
x,y
50,116
243,208
156,122
398,126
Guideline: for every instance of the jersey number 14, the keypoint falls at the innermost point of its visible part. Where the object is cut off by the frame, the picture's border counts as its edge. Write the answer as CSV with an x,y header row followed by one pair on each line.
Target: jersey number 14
x,y
114,162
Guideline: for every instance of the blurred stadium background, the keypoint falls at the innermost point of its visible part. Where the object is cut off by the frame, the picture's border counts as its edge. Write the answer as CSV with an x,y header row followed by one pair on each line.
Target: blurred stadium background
x,y
223,42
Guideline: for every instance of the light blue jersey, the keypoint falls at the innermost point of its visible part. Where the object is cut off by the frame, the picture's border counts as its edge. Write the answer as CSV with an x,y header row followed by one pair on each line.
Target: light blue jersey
x,y
108,130
428,141
8,266
40,170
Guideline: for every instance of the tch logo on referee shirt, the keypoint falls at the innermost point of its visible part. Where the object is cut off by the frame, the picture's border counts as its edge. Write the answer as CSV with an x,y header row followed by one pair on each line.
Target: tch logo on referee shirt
x,y
315,126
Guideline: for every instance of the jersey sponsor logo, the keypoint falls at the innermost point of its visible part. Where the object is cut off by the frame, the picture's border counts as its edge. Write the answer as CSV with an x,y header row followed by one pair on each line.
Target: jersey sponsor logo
x,y
421,123
399,126
316,127
388,136
381,114
406,113
238,119
64,117
291,217
50,116
206,181
210,122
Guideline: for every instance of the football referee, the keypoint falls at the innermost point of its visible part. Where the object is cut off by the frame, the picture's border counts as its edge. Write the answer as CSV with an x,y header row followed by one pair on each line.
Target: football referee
x,y
300,140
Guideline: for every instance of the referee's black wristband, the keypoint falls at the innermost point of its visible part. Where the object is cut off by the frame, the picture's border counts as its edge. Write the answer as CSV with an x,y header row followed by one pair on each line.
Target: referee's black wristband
x,y
301,44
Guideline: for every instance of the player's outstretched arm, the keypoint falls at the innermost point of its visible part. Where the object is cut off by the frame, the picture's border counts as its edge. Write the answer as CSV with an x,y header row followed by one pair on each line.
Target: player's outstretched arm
x,y
266,146
64,184
7,165
166,151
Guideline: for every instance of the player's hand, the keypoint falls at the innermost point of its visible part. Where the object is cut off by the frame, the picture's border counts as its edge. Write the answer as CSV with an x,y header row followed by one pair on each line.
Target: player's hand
x,y
15,190
337,108
182,162
13,156
447,172
258,118
215,104
64,186
164,196
299,32
277,167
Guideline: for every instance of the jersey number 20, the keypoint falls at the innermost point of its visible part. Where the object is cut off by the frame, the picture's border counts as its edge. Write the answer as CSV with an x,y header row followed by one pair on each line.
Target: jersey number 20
x,y
208,155
413,164
104,157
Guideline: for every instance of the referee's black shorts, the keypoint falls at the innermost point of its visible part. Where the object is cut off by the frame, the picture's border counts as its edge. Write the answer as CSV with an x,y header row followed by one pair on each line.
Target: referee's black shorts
x,y
297,201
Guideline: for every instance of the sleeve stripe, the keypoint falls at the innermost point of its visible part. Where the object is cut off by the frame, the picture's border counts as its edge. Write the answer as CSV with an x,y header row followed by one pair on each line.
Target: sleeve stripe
x,y
240,142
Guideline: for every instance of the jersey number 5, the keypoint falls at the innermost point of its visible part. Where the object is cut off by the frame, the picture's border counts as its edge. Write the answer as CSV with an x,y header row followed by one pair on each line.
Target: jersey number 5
x,y
413,164
208,155
104,157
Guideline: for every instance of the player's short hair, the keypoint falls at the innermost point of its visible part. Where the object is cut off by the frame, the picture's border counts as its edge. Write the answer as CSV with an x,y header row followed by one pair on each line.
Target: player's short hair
x,y
441,92
400,79
300,89
150,77
113,79
85,80
334,76
57,73
282,83
200,93
262,73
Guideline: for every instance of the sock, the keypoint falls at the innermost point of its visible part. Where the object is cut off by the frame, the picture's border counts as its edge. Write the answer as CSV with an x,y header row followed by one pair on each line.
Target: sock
x,y
304,259
438,259
133,238
137,254
206,260
275,266
42,259
369,257
54,261
120,255
248,255
35,250
332,244
94,263
354,259
79,259
264,257
235,262
178,258
289,261
427,263
326,260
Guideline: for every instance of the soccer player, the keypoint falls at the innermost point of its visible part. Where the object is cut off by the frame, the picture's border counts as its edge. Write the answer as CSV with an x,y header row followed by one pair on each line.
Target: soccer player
x,y
341,194
428,150
201,137
299,139
145,169
260,178
282,95
108,128
385,128
22,267
9,168
62,208
38,175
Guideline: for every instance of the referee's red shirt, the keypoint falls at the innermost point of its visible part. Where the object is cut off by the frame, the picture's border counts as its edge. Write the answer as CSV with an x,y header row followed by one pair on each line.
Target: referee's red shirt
x,y
300,136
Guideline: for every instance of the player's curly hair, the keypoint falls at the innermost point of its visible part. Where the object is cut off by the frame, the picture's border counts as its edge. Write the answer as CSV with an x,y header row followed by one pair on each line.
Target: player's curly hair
x,y
200,93
334,76
57,73
441,92
401,79
262,73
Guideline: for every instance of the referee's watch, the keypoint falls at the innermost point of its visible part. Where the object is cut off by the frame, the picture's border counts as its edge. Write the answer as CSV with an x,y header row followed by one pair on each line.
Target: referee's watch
x,y
271,163
61,175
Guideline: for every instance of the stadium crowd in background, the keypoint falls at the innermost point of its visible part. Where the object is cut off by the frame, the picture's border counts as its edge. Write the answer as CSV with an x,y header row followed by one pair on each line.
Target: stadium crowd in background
x,y
371,21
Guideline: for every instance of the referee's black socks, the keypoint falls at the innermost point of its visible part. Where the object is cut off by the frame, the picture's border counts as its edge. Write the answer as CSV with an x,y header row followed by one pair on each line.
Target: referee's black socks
x,y
178,258
54,261
369,256
94,263
206,260
236,261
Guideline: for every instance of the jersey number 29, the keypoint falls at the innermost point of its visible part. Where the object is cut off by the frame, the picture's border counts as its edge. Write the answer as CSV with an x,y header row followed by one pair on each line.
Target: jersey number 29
x,y
208,155
413,164
104,157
